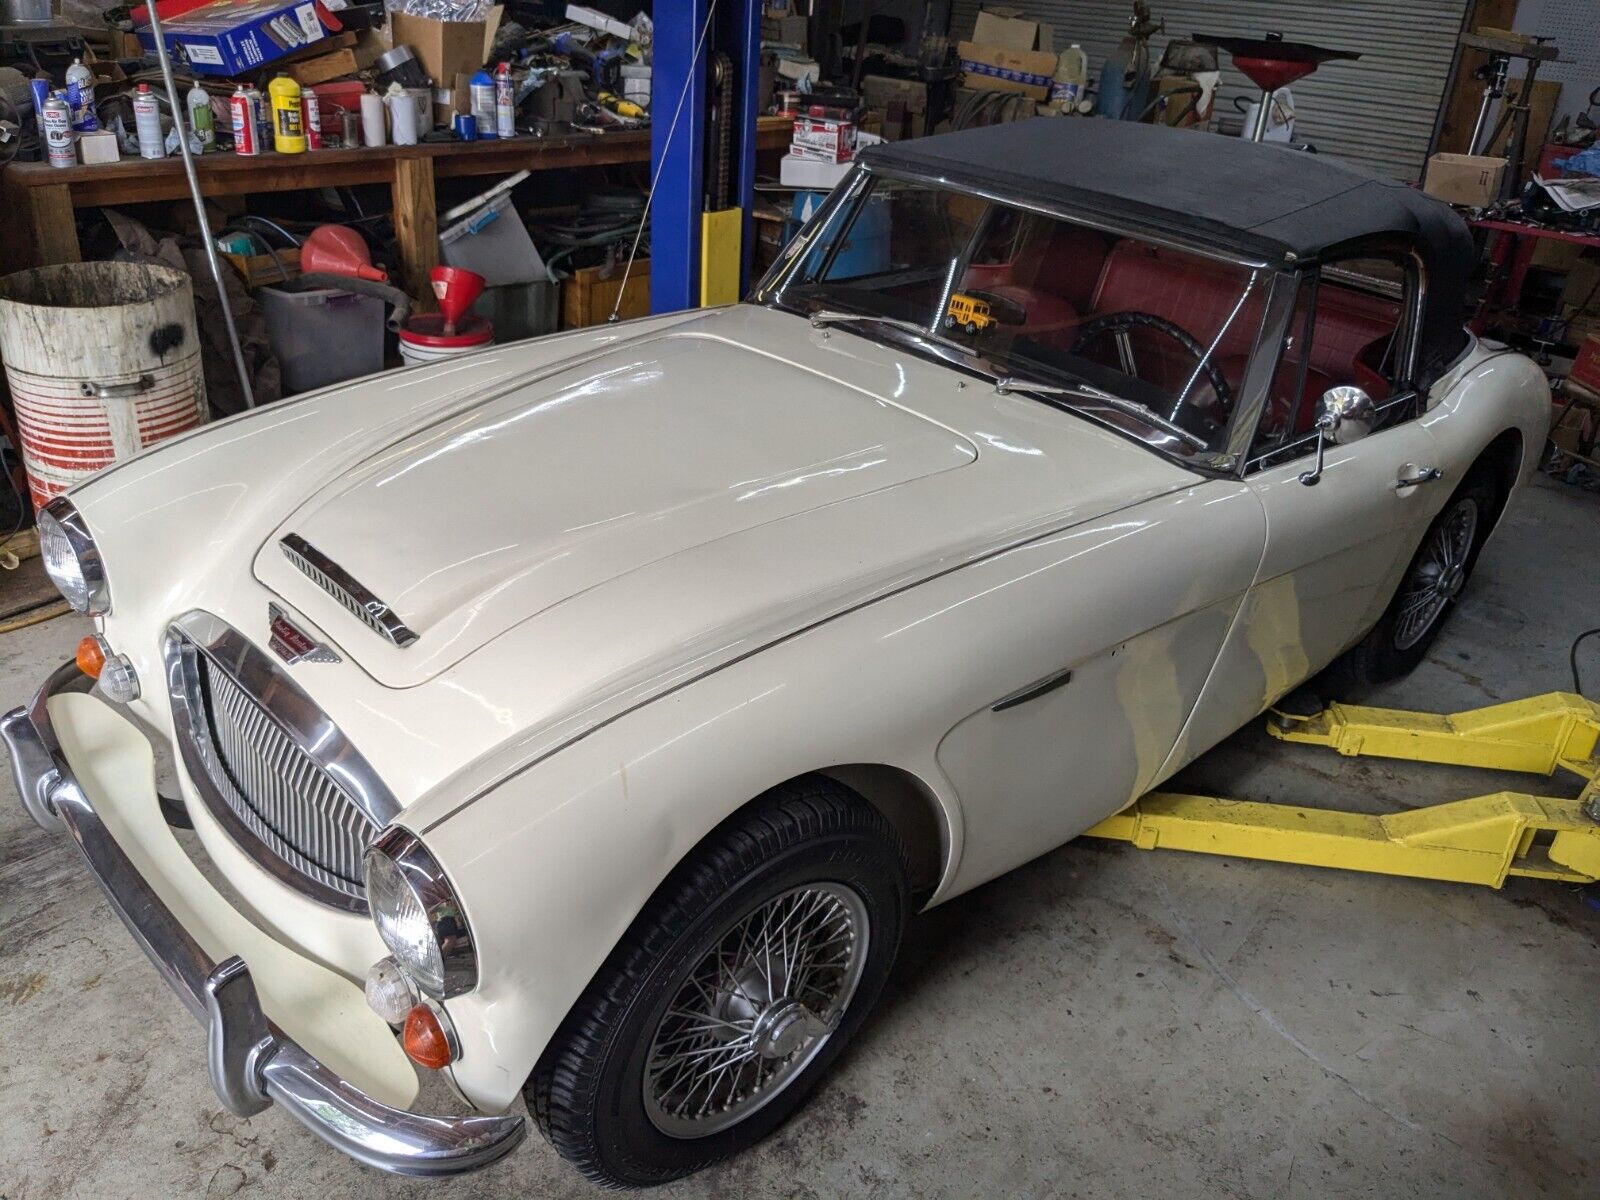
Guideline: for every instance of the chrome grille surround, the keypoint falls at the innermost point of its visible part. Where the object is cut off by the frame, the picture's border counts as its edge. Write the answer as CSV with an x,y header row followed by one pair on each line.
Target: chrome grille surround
x,y
347,590
279,777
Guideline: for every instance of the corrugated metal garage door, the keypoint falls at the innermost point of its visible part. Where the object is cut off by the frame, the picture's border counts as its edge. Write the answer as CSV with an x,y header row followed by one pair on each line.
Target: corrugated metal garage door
x,y
1378,112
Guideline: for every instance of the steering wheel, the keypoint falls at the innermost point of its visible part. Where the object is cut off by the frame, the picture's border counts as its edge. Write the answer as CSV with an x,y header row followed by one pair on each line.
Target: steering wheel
x,y
1120,325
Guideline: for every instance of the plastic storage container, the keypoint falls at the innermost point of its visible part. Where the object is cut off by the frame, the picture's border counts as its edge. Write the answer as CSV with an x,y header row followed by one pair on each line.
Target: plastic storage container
x,y
521,310
494,242
323,336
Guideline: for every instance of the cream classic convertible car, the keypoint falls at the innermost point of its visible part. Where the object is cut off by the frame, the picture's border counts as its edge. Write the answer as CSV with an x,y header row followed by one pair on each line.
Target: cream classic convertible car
x,y
583,720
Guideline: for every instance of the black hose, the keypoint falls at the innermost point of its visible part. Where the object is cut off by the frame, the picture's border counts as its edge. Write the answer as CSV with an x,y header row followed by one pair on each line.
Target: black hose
x,y
398,301
1572,657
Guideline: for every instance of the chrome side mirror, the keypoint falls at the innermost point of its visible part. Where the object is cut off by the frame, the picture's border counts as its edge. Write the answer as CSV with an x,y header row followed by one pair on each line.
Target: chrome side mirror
x,y
1345,414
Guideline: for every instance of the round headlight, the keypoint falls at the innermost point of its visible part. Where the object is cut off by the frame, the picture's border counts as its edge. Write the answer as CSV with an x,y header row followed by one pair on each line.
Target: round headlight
x,y
418,917
71,558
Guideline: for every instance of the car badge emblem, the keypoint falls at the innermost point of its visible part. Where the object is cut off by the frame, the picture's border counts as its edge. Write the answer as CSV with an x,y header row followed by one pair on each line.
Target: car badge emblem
x,y
293,644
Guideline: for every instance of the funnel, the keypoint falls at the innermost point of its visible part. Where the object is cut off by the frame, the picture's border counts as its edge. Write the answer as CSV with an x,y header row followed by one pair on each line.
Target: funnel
x,y
1272,63
337,250
456,290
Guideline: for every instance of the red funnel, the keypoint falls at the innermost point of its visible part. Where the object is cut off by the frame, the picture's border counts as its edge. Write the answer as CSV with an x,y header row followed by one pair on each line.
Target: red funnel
x,y
338,250
456,289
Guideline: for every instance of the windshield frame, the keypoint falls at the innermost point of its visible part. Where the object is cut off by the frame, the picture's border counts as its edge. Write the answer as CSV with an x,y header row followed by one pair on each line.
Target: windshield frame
x,y
1282,286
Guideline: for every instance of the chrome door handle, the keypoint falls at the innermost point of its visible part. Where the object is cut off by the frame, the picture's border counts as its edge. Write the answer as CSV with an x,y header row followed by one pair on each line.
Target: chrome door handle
x,y
1418,478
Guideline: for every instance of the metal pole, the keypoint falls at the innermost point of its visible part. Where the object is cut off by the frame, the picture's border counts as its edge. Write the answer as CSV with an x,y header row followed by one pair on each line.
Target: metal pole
x,y
1263,115
180,113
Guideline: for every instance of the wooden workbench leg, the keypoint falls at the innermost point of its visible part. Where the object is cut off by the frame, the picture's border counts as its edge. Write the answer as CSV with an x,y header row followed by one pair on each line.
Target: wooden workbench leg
x,y
50,235
416,227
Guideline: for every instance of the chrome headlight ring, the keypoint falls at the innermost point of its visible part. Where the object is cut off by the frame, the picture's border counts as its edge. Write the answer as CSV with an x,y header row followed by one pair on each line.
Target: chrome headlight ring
x,y
71,558
418,916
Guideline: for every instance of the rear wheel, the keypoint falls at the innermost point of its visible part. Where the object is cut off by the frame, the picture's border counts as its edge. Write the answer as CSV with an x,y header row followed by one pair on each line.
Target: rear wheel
x,y
1429,589
742,979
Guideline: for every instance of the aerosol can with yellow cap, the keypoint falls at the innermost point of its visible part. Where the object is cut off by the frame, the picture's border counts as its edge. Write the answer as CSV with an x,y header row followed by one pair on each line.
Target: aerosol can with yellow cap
x,y
288,131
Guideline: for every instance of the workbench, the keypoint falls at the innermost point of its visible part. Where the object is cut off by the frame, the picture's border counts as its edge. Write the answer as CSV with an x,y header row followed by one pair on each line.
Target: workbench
x,y
1510,260
41,198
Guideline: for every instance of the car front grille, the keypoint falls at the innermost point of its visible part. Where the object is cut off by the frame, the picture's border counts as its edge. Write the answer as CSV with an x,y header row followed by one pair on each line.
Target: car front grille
x,y
284,799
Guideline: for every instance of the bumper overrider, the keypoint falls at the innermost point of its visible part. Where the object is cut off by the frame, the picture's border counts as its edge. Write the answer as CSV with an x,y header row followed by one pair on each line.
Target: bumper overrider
x,y
252,1062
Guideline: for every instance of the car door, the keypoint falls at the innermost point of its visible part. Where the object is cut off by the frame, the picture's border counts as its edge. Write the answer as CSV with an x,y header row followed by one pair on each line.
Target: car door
x,y
1335,538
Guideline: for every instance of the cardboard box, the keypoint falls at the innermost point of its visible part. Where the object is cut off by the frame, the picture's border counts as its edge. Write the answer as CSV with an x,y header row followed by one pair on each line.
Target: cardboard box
x,y
797,172
824,139
1008,29
322,68
991,68
1471,180
784,31
903,103
229,37
445,48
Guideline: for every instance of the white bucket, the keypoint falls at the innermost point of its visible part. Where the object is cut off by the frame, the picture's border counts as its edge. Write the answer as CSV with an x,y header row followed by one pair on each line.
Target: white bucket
x,y
103,360
422,340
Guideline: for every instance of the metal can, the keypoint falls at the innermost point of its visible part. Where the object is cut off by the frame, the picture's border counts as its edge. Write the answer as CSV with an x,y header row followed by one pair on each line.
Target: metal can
x,y
56,115
263,113
243,116
311,119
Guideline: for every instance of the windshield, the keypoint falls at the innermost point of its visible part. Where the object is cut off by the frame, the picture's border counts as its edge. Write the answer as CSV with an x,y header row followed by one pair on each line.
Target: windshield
x,y
1038,300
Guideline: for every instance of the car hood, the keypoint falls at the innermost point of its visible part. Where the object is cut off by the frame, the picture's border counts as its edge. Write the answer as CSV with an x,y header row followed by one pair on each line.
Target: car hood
x,y
678,466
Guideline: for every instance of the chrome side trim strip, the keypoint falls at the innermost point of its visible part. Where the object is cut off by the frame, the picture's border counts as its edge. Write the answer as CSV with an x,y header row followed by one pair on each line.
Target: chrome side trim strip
x,y
346,589
252,1061
293,713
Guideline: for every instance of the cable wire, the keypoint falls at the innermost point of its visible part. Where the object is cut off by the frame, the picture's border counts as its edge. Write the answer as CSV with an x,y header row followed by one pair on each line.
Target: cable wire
x,y
1572,657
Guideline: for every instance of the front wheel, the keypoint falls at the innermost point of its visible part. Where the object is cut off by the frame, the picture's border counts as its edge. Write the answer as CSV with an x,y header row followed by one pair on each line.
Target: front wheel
x,y
1430,587
742,979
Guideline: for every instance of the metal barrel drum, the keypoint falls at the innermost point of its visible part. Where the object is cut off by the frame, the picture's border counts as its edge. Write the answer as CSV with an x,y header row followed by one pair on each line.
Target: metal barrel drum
x,y
103,360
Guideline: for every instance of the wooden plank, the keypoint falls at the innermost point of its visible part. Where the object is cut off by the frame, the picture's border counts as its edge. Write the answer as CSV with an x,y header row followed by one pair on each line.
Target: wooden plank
x,y
416,226
55,229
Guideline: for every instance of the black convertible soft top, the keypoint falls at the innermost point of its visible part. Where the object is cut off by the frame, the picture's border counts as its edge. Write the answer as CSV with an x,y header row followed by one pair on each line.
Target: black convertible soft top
x,y
1259,201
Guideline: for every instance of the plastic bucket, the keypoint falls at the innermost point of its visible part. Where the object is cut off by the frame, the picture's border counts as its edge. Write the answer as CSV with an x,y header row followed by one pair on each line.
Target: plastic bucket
x,y
103,360
423,339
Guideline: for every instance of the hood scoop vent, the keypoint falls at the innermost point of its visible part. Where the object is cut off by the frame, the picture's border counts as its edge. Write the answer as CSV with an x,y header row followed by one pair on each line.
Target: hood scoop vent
x,y
337,582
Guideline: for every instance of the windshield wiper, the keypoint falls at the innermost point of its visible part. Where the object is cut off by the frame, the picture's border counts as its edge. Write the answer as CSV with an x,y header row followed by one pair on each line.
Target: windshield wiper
x,y
829,316
1085,391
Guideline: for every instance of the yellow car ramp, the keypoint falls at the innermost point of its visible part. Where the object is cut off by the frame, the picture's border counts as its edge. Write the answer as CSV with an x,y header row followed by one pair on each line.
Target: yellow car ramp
x,y
1480,840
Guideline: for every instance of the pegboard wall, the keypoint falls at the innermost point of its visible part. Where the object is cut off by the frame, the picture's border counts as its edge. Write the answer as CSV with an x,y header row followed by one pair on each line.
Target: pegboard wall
x,y
1574,26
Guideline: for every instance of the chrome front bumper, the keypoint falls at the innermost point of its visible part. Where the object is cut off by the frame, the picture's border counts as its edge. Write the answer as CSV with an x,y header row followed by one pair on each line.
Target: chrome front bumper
x,y
252,1062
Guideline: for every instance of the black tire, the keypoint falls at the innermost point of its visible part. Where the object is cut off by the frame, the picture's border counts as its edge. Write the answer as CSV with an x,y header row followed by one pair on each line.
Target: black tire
x,y
1393,649
972,328
949,322
588,1092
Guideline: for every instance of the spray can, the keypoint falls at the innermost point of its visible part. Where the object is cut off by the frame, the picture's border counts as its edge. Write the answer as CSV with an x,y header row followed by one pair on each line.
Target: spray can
x,y
482,104
505,102
311,119
80,97
39,87
263,115
56,114
288,135
147,121
202,126
246,129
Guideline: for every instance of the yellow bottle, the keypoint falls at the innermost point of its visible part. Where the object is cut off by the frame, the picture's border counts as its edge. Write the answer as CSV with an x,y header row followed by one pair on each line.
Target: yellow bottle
x,y
288,134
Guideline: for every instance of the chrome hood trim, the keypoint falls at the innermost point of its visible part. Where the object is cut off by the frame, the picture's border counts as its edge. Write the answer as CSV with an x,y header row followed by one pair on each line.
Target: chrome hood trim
x,y
346,589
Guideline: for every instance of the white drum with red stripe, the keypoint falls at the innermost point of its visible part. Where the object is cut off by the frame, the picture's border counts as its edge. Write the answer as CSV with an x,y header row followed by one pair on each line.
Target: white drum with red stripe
x,y
102,359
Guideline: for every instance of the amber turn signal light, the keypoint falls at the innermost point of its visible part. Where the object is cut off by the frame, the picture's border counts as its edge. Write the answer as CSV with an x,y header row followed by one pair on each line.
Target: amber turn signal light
x,y
424,1039
91,657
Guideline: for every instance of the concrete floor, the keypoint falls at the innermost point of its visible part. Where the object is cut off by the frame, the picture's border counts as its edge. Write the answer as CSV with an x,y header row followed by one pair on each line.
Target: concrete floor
x,y
1102,1022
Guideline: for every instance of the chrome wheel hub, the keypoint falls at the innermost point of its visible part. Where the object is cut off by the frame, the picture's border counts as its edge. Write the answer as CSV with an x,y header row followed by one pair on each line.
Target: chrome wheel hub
x,y
754,1011
1438,575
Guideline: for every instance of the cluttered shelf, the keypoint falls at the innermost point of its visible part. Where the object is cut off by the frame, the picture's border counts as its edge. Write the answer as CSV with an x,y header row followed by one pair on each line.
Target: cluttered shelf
x,y
43,197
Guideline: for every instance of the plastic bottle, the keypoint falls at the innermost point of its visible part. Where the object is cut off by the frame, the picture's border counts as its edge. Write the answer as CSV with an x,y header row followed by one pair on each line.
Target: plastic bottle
x,y
311,118
80,97
505,102
402,115
288,135
371,119
482,106
147,122
1072,72
201,122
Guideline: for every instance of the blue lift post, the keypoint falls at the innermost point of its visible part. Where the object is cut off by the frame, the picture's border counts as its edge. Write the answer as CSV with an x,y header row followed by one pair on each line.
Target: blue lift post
x,y
677,159
677,152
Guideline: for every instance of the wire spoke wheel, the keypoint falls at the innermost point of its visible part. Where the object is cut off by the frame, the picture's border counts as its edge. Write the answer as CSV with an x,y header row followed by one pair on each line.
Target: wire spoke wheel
x,y
755,1009
1437,574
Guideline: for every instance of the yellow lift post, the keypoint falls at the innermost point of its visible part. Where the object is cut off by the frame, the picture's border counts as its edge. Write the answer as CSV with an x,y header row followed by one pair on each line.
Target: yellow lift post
x,y
1480,840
